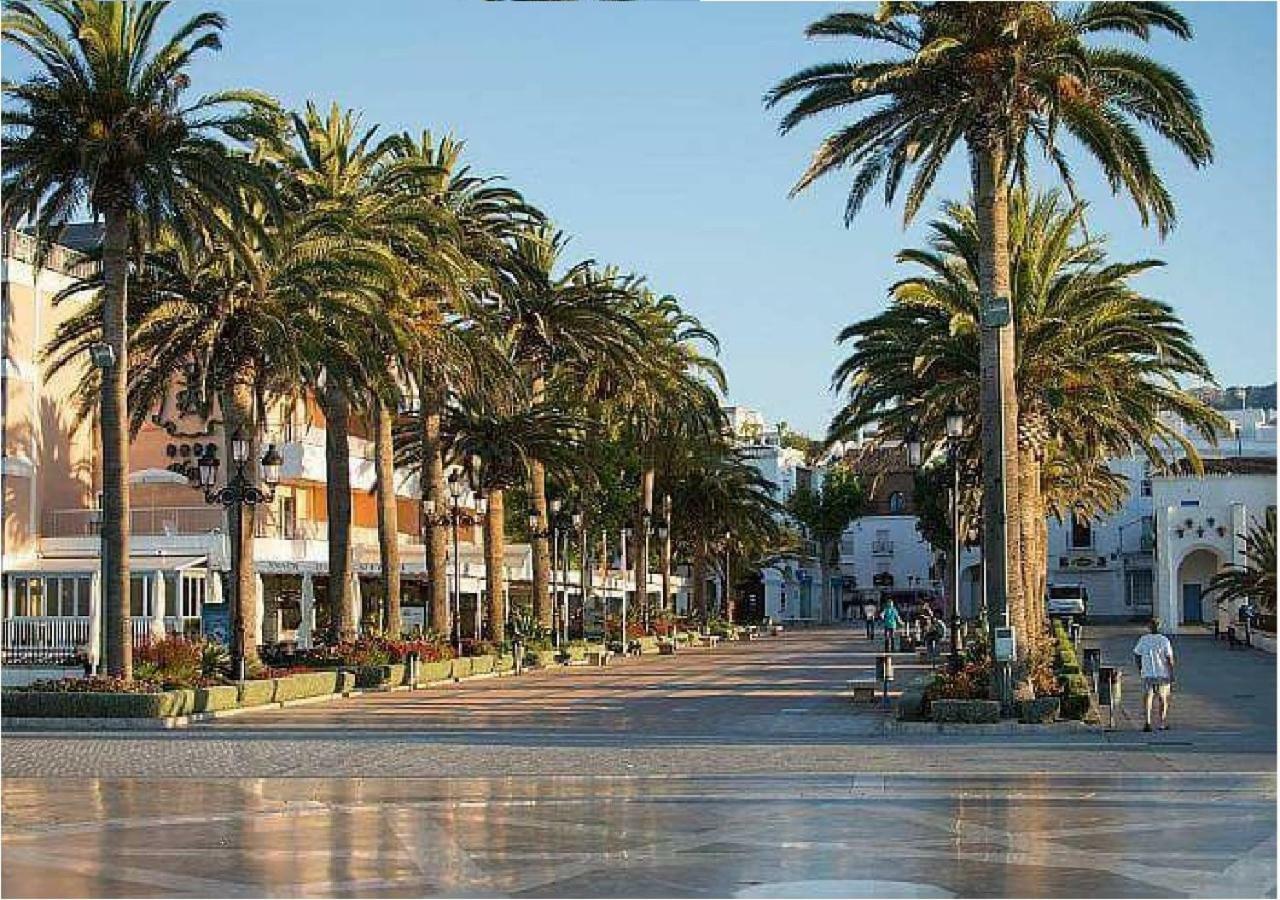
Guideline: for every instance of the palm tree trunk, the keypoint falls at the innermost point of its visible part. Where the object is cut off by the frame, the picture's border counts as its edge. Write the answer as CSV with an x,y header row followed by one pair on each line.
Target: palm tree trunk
x,y
388,517
999,404
495,540
640,544
238,416
1030,510
433,489
114,417
539,545
337,414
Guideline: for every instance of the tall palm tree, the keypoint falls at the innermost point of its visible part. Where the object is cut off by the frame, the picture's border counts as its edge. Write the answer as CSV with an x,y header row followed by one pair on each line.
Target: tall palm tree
x,y
227,322
495,433
486,215
1097,362
997,79
555,321
105,123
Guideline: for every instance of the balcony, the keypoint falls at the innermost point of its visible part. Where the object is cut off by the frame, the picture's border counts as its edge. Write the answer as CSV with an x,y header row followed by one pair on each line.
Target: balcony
x,y
150,521
882,548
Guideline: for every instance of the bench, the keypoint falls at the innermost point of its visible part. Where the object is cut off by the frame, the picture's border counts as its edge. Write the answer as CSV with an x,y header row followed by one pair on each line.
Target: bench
x,y
599,658
864,690
709,640
666,648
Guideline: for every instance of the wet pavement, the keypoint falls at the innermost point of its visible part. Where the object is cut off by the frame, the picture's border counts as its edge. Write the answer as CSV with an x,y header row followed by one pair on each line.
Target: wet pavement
x,y
735,772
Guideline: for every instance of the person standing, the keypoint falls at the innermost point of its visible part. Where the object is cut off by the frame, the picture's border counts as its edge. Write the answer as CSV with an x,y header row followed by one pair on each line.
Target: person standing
x,y
869,616
892,621
1153,655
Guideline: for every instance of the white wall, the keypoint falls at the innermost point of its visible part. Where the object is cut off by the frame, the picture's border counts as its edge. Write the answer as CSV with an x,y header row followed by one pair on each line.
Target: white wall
x,y
892,544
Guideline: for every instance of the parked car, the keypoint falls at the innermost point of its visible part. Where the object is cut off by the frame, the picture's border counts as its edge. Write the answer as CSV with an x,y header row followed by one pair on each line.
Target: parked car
x,y
1068,601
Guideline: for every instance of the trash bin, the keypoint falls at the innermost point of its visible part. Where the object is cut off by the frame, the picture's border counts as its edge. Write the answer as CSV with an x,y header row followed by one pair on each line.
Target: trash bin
x,y
1092,660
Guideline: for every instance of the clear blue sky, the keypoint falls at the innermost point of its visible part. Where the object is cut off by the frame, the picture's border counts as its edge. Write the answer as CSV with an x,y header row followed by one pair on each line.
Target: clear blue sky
x,y
639,128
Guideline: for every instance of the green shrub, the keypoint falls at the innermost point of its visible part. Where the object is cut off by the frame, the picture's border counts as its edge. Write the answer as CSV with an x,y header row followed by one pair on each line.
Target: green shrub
x,y
218,697
257,693
1075,696
505,663
308,684
542,658
482,665
83,704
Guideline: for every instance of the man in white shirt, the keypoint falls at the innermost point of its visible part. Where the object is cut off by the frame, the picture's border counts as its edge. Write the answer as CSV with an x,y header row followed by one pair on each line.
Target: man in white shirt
x,y
1153,654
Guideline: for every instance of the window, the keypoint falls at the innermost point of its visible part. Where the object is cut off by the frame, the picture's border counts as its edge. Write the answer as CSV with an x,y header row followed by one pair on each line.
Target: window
x,y
1145,487
139,596
897,502
1081,532
67,595
193,594
29,599
1139,589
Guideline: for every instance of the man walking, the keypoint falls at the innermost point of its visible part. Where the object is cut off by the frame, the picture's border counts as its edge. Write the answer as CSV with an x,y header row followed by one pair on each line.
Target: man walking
x,y
1153,655
869,616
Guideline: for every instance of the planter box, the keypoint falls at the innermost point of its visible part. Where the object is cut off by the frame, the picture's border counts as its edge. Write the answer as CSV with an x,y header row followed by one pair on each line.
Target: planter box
x,y
482,665
63,705
543,659
442,670
667,648
505,663
257,693
1041,710
220,697
965,711
648,644
462,667
911,700
302,686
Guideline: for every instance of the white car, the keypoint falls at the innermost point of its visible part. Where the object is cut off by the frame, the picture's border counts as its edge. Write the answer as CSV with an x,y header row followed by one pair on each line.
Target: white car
x,y
1068,601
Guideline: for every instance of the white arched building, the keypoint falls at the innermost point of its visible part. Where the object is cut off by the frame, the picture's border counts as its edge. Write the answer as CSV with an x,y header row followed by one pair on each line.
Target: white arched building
x,y
1200,523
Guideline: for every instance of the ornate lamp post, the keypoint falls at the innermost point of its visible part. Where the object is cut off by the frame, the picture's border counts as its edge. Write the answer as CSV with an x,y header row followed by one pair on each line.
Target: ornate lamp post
x,y
579,526
238,492
955,431
456,514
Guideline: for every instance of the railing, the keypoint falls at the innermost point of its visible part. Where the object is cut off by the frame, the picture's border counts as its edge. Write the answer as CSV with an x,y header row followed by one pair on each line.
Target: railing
x,y
882,548
23,247
51,639
158,520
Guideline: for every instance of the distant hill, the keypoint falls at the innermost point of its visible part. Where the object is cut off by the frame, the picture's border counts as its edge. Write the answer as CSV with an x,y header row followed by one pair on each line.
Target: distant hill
x,y
1257,396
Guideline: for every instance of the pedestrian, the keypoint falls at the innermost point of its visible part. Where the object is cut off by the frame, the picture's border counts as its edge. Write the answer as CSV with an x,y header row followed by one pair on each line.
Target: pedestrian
x,y
892,621
869,615
1153,655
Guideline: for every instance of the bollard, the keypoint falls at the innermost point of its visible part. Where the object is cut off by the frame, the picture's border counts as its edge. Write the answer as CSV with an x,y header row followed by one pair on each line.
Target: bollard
x,y
884,673
412,660
1109,690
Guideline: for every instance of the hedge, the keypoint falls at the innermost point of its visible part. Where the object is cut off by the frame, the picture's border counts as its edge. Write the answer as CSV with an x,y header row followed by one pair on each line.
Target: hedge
x,y
965,711
257,693
462,667
505,663
219,697
442,670
542,658
482,665
1075,696
309,684
73,704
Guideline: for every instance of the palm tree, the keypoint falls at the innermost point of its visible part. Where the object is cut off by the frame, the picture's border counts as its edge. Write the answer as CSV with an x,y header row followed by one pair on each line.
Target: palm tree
x,y
495,434
1097,363
105,123
825,514
1256,579
366,194
232,322
997,78
556,322
486,216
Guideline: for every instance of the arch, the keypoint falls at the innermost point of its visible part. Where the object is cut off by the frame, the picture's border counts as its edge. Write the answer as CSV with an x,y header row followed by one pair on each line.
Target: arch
x,y
1197,564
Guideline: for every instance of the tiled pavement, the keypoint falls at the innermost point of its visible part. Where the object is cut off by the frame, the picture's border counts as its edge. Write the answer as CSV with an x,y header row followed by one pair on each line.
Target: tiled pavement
x,y
739,771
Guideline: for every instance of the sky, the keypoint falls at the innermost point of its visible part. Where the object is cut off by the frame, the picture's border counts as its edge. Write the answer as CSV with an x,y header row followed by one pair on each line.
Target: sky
x,y
639,128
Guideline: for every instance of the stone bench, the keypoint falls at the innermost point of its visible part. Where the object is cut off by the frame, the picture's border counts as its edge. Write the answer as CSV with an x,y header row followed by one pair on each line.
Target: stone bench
x,y
864,690
599,657
709,640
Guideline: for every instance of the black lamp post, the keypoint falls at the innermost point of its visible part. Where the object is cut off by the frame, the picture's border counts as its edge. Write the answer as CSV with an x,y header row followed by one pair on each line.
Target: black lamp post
x,y
955,431
579,526
456,514
237,493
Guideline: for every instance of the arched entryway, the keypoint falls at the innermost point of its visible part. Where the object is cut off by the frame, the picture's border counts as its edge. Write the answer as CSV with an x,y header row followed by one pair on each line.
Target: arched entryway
x,y
1194,573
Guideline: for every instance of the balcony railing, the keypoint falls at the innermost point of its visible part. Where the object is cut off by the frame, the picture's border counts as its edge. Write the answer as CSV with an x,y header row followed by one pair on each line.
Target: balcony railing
x,y
23,247
157,520
882,548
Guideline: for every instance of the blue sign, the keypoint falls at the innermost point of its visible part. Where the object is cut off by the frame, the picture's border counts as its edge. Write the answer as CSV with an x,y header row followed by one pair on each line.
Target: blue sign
x,y
215,622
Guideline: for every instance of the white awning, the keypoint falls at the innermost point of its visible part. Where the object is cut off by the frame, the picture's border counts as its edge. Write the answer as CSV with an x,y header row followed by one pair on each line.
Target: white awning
x,y
84,565
158,476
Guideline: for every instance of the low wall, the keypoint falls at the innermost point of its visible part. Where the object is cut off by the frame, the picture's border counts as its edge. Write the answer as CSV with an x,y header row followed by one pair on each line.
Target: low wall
x,y
21,676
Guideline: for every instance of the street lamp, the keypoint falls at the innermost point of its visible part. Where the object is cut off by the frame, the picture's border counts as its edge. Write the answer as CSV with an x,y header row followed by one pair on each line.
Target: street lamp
x,y
913,446
237,493
728,548
455,515
579,527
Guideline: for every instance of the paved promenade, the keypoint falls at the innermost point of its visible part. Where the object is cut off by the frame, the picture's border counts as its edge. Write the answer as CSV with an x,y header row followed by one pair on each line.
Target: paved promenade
x,y
735,772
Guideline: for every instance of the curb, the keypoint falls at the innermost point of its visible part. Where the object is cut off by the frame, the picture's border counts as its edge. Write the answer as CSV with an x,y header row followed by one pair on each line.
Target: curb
x,y
1068,726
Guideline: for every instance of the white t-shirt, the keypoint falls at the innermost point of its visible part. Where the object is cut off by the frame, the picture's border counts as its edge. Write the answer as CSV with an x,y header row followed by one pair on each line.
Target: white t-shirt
x,y
1157,655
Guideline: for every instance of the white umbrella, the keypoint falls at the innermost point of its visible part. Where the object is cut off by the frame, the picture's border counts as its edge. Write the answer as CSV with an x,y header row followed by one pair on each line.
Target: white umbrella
x,y
94,649
259,605
308,605
157,606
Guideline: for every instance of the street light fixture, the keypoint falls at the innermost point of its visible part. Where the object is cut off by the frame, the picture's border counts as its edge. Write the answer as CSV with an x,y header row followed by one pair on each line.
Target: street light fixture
x,y
233,496
955,431
456,514
914,448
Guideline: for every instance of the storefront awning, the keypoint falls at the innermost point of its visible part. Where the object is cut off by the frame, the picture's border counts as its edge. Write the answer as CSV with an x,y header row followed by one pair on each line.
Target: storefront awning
x,y
77,565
